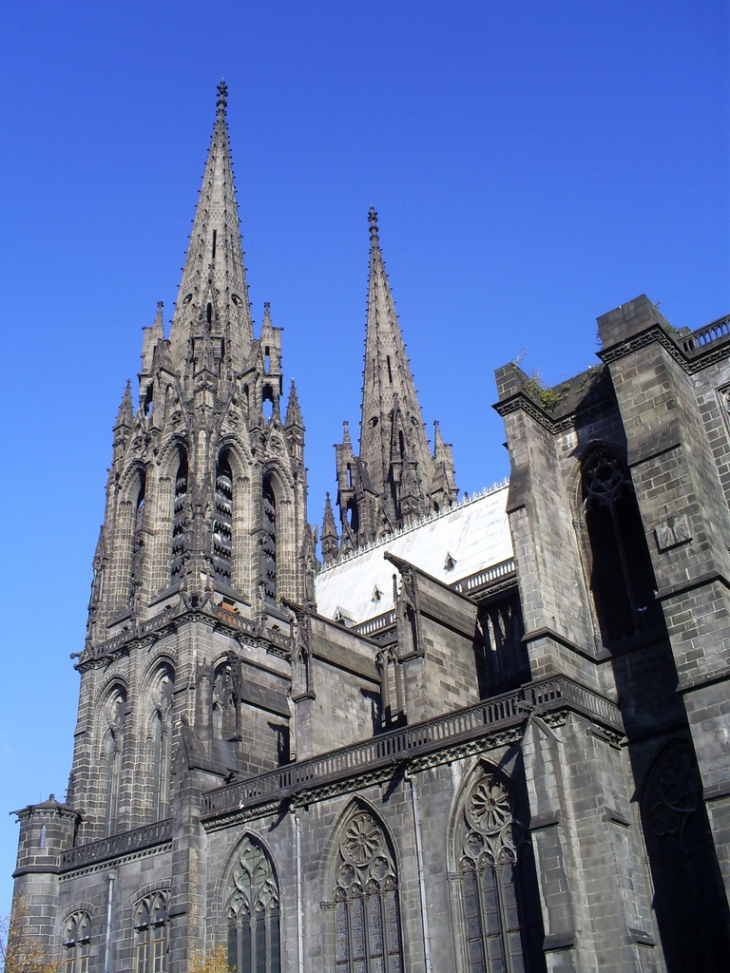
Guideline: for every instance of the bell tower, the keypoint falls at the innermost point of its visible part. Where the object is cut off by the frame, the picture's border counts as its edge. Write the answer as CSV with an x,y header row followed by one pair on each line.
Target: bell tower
x,y
204,541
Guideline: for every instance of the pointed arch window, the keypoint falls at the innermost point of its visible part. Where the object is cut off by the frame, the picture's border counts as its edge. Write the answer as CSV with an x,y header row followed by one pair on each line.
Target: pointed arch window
x,y
179,515
499,897
76,943
136,575
162,741
368,935
268,551
691,907
222,519
116,714
621,572
150,934
253,912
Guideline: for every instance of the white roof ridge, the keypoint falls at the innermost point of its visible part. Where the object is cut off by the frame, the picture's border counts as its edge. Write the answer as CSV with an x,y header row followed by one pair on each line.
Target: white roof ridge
x,y
465,501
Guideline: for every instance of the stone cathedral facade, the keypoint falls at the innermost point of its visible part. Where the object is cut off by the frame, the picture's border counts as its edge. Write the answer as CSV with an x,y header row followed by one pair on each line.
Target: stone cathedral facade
x,y
487,735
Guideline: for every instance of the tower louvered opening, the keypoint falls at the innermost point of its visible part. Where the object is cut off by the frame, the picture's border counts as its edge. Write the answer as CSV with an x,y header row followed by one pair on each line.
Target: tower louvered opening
x,y
179,516
268,554
222,522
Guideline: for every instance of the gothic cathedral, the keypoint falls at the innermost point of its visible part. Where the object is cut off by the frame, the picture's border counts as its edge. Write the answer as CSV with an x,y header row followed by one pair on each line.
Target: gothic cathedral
x,y
486,735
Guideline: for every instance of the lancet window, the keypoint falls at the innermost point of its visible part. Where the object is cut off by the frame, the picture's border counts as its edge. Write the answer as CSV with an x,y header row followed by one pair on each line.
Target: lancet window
x,y
179,516
268,551
150,934
366,905
222,519
76,943
691,907
253,912
621,572
162,741
116,710
136,576
494,870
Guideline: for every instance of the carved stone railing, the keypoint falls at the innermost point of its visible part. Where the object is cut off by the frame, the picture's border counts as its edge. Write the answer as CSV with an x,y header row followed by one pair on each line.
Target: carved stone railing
x,y
498,712
163,620
375,624
699,339
119,844
487,576
138,630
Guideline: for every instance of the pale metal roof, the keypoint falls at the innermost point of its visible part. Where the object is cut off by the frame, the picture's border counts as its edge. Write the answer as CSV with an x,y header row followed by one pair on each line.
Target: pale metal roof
x,y
450,546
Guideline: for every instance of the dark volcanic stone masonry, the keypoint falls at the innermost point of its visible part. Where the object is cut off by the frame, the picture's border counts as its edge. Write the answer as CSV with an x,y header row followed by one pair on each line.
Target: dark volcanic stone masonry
x,y
484,735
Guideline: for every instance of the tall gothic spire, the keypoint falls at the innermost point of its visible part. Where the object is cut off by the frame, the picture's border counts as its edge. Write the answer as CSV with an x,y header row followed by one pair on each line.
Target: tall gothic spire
x,y
389,399
214,271
395,479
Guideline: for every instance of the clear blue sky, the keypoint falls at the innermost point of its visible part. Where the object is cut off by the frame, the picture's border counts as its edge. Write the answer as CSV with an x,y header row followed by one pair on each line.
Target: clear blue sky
x,y
534,165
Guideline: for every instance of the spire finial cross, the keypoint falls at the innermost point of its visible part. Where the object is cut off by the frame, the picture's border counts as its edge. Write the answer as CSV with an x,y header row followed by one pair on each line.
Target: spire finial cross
x,y
222,97
373,221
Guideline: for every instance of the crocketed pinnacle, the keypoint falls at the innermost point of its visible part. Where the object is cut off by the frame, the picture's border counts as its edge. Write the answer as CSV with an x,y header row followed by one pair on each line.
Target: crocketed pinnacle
x,y
125,416
389,392
214,271
293,412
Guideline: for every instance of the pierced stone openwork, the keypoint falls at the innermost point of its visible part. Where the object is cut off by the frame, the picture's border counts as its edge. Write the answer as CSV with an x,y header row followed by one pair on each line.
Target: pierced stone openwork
x,y
76,942
367,911
253,912
489,879
621,572
150,933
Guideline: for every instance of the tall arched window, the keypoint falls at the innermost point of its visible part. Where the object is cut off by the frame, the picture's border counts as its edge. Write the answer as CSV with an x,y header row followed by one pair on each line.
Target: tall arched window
x,y
690,902
367,910
136,574
162,742
179,515
253,912
268,552
150,934
116,710
621,572
76,943
222,520
497,874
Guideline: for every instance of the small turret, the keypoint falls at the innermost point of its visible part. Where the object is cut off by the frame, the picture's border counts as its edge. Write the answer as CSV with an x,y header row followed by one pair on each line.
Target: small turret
x,y
123,425
330,540
444,491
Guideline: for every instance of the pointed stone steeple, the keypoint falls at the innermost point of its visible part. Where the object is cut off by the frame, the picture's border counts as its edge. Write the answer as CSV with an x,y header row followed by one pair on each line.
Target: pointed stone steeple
x,y
388,387
214,272
330,540
395,479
